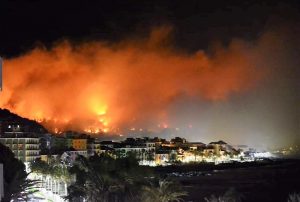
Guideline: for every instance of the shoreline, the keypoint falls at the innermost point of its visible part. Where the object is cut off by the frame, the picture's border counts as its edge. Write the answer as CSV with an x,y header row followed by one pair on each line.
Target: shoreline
x,y
223,166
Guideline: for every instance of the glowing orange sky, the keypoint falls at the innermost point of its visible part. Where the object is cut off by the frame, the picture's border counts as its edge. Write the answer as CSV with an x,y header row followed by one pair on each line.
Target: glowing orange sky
x,y
99,85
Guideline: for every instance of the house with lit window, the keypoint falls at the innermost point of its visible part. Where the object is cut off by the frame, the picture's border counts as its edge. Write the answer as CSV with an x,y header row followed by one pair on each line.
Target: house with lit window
x,y
79,144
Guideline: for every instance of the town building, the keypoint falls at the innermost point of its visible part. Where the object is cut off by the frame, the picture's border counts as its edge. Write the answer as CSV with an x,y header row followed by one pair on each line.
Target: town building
x,y
165,156
79,144
162,157
70,156
26,149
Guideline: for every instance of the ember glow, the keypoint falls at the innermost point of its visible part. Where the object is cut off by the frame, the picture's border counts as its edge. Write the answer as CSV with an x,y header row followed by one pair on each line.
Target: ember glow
x,y
98,86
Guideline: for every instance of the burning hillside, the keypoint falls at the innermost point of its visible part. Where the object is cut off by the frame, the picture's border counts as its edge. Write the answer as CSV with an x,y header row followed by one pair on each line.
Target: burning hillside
x,y
98,86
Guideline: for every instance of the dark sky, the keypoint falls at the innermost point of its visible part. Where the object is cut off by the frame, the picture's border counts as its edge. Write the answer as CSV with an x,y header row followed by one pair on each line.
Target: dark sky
x,y
196,23
264,117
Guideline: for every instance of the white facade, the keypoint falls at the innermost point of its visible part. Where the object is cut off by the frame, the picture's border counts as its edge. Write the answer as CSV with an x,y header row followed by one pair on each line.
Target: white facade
x,y
70,156
50,189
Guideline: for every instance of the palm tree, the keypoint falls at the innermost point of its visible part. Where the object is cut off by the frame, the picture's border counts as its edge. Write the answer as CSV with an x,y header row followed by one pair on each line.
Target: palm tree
x,y
150,156
164,191
196,153
19,188
54,168
231,195
294,197
16,185
103,178
96,186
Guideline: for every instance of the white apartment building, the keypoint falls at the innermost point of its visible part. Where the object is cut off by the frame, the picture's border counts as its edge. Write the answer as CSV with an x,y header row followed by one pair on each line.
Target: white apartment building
x,y
25,149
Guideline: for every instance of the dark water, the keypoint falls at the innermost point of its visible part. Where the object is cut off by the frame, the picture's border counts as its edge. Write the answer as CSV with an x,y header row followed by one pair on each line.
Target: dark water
x,y
270,182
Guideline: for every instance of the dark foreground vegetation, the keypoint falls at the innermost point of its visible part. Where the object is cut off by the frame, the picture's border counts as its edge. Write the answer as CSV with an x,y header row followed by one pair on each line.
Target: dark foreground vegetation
x,y
16,185
106,179
103,178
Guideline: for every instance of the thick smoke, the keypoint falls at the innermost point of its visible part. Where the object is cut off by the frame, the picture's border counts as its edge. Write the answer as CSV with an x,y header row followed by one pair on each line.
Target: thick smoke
x,y
122,83
134,83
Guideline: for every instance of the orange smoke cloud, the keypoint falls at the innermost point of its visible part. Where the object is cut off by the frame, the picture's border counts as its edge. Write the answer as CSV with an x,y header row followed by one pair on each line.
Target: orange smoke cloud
x,y
98,86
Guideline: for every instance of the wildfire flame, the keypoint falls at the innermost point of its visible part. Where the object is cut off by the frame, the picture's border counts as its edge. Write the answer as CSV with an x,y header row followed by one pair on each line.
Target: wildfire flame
x,y
97,87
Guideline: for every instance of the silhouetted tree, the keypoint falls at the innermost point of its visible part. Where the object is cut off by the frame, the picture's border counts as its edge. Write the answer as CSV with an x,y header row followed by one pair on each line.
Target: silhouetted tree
x,y
295,197
103,178
163,191
231,195
16,185
54,168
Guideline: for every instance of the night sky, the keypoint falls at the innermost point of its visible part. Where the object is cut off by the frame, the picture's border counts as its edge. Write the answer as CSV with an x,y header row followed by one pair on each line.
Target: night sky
x,y
263,115
197,24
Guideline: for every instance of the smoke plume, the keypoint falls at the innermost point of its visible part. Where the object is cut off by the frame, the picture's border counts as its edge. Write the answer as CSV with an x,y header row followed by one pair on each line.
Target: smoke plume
x,y
100,86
